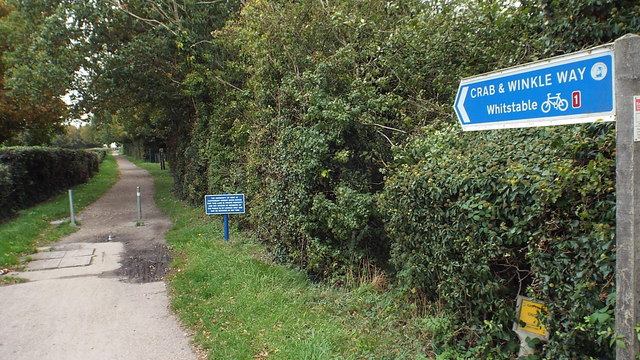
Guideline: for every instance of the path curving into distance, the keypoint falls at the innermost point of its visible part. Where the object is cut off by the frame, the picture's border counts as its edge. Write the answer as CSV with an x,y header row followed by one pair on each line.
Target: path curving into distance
x,y
89,297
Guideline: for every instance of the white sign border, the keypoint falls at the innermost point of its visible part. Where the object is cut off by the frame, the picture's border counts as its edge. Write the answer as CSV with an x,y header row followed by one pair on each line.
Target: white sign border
x,y
244,206
607,49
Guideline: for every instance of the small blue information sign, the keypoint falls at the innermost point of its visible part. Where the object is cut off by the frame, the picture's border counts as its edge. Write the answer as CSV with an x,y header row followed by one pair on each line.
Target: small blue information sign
x,y
224,204
568,89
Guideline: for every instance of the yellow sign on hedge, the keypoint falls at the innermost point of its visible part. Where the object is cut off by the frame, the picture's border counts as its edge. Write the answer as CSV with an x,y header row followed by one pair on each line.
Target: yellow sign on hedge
x,y
529,317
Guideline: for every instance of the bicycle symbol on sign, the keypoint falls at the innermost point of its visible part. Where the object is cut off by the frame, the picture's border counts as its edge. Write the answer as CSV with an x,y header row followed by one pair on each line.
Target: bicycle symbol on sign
x,y
556,101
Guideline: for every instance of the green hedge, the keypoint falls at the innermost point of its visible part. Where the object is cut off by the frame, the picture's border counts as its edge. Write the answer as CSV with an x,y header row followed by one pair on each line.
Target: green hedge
x,y
29,175
478,218
100,152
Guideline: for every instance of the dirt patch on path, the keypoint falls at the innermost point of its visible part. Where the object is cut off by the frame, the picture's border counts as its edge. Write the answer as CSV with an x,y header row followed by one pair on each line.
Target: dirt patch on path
x,y
145,265
113,218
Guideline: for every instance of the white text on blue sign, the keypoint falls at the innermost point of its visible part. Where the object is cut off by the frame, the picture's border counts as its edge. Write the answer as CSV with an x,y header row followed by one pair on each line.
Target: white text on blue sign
x,y
570,90
224,204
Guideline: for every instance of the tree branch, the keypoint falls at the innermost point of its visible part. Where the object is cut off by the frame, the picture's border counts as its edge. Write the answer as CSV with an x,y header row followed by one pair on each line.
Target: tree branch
x,y
386,127
202,41
152,22
386,137
228,83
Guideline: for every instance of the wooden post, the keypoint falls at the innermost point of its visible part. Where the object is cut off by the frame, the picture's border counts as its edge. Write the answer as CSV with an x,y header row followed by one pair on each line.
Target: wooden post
x,y
627,84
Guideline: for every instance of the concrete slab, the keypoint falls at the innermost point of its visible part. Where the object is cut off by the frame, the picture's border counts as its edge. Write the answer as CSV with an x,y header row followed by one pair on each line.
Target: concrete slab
x,y
106,259
75,261
89,318
43,264
69,247
48,255
78,256
79,252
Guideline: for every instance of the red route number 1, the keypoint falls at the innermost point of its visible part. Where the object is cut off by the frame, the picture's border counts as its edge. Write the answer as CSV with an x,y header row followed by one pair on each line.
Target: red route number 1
x,y
576,99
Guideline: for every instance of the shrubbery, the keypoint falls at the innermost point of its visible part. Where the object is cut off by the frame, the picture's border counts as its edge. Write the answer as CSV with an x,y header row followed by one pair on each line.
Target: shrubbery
x,y
478,218
100,152
5,187
29,175
336,122
328,92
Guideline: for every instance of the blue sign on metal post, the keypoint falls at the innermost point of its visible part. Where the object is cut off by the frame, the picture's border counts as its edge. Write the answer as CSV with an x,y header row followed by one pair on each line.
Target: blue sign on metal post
x,y
224,204
568,89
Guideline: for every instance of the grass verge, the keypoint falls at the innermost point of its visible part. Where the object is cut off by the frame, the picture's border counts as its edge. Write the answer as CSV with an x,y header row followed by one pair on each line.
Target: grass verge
x,y
241,306
32,227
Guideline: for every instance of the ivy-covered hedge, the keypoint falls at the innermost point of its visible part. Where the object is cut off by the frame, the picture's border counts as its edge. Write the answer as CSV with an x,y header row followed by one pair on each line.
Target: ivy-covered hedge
x,y
478,218
327,93
335,120
29,175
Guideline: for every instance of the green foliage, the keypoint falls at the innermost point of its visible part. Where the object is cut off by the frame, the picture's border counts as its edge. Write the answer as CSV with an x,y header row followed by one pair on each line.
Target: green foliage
x,y
301,111
572,25
31,228
311,100
36,174
479,218
101,153
82,137
5,183
31,110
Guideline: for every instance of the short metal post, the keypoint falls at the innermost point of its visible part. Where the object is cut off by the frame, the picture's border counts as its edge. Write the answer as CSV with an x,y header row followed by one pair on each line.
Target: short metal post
x,y
139,205
73,214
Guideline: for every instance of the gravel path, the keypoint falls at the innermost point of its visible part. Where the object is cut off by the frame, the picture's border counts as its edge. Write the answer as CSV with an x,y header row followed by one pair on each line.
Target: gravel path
x,y
114,308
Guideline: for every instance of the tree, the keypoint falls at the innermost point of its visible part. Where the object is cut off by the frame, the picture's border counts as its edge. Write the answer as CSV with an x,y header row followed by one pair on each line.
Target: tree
x,y
22,120
81,137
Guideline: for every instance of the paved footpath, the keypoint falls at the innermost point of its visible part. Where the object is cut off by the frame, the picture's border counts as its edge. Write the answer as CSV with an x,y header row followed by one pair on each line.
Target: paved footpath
x,y
80,304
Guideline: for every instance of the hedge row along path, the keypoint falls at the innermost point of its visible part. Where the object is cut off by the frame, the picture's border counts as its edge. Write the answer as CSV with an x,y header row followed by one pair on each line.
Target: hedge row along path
x,y
114,308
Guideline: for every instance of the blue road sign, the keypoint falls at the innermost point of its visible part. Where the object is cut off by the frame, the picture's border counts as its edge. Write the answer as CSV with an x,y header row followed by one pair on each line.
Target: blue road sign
x,y
224,204
568,89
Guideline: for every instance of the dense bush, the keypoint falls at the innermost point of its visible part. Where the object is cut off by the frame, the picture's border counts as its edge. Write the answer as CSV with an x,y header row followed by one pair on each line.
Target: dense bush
x,y
100,152
308,106
478,218
319,94
29,175
5,184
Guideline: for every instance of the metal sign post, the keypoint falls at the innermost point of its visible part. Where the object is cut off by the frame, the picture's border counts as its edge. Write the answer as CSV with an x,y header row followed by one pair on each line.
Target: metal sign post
x,y
627,66
139,203
224,204
73,214
225,225
162,166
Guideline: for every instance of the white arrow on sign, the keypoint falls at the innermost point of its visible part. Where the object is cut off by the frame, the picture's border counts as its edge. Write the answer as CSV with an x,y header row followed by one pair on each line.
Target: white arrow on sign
x,y
463,112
